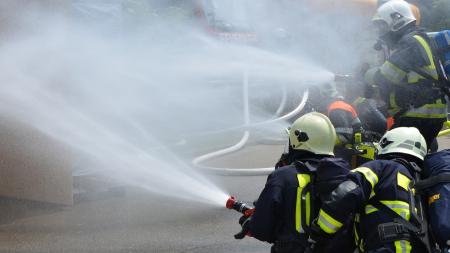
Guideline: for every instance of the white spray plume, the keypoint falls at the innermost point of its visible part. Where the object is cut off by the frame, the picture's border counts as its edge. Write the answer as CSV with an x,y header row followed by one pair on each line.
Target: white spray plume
x,y
124,95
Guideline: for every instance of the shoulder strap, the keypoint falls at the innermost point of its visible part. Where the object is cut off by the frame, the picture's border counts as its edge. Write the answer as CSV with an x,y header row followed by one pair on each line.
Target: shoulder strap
x,y
432,181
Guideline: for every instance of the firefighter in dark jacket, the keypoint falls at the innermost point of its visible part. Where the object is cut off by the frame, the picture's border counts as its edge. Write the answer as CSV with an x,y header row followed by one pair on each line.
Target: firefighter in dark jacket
x,y
326,99
285,207
436,172
379,193
408,81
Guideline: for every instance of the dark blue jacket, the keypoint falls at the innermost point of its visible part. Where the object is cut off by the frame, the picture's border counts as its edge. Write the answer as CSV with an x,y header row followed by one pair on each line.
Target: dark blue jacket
x,y
438,196
277,216
382,180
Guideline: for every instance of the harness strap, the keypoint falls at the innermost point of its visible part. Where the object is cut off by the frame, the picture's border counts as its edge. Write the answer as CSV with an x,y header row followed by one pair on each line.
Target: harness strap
x,y
432,181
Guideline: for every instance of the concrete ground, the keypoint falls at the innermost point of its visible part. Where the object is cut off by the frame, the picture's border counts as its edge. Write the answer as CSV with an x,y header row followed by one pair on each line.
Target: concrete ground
x,y
132,220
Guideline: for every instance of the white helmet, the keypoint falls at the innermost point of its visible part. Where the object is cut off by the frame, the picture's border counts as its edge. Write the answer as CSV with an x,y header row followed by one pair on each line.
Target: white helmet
x,y
393,16
403,140
313,132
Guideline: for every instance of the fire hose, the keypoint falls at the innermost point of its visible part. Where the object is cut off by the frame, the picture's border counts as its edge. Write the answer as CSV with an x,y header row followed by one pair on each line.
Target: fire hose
x,y
197,162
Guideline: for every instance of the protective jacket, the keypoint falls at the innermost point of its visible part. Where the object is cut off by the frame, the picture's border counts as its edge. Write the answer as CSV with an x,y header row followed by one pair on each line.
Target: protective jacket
x,y
437,195
280,214
288,203
408,79
379,181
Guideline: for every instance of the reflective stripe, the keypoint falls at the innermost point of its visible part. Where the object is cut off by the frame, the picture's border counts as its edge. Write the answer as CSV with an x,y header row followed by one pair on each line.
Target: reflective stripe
x,y
403,181
438,110
358,241
402,246
328,223
303,181
392,72
414,77
369,175
430,69
400,207
344,130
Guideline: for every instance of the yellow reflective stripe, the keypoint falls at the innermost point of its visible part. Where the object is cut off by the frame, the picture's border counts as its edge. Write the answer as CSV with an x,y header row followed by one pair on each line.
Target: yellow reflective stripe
x,y
430,69
436,110
414,77
369,175
361,245
392,72
328,223
303,180
400,207
358,241
402,246
403,181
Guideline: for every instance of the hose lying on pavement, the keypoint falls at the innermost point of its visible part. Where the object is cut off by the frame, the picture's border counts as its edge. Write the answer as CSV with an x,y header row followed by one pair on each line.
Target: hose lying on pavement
x,y
238,146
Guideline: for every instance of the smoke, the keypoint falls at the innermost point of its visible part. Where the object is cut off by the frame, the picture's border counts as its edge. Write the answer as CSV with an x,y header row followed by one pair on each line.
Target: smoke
x,y
132,85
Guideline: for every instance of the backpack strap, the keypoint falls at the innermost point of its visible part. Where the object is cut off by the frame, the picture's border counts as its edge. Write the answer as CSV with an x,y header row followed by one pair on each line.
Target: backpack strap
x,y
309,167
432,181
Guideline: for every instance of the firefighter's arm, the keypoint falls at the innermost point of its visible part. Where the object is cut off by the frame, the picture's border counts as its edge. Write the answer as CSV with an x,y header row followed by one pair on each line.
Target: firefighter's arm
x,y
344,200
264,219
409,56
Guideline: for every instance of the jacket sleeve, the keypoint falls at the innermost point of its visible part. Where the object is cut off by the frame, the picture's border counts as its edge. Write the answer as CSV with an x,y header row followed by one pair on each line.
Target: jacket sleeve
x,y
410,55
264,220
346,199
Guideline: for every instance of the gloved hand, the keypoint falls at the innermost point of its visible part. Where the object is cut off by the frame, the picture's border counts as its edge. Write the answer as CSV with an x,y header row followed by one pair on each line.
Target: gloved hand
x,y
244,221
283,161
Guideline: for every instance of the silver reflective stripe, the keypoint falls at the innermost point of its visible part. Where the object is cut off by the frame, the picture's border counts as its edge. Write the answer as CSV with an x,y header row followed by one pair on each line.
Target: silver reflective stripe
x,y
344,130
409,142
403,246
407,146
392,72
428,111
328,224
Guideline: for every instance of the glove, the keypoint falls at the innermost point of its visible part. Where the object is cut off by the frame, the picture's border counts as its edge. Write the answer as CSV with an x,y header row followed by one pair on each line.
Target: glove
x,y
244,221
283,161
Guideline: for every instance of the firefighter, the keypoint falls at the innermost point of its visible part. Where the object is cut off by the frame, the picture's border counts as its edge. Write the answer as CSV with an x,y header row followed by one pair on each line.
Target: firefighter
x,y
326,99
287,204
408,80
379,194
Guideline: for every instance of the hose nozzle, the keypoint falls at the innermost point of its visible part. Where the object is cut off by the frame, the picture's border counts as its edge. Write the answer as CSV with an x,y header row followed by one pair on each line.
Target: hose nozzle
x,y
239,206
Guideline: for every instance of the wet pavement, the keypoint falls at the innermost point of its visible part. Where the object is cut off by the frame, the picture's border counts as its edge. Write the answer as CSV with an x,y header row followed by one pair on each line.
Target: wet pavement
x,y
133,220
